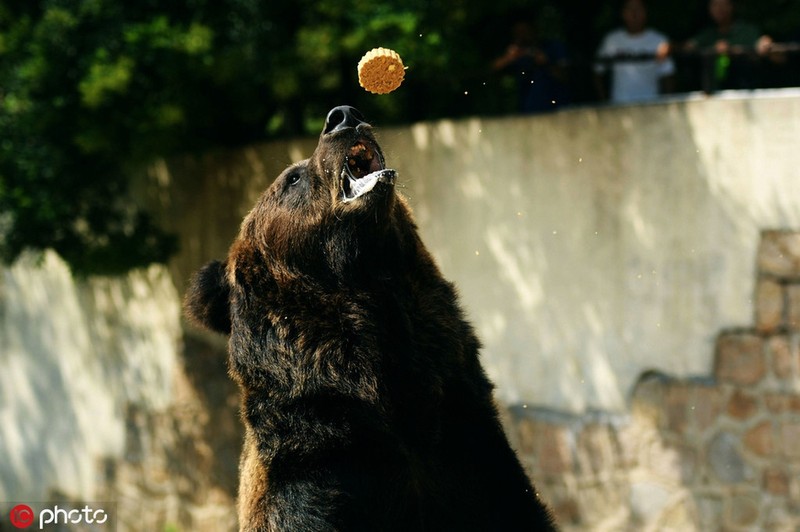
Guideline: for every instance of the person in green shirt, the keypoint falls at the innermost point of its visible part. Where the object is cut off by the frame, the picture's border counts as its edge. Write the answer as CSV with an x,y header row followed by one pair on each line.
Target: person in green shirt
x,y
732,47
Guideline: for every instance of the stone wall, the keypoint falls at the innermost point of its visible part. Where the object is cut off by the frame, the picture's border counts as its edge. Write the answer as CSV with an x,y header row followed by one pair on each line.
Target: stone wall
x,y
720,452
104,401
179,467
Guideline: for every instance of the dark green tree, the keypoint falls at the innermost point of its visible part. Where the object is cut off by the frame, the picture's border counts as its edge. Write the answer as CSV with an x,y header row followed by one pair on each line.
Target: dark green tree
x,y
90,90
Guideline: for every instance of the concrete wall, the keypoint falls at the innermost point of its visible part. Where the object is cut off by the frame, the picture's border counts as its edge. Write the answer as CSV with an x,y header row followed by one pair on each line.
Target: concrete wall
x,y
100,403
74,357
589,245
592,245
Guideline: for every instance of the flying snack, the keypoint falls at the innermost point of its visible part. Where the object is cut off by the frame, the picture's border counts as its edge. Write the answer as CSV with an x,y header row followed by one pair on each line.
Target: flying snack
x,y
381,71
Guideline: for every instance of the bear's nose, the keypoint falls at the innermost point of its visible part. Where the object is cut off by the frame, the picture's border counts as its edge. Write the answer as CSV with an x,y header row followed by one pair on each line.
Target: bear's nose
x,y
342,117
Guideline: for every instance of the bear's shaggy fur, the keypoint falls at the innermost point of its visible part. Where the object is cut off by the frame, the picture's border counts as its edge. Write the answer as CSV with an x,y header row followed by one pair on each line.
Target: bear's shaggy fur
x,y
364,403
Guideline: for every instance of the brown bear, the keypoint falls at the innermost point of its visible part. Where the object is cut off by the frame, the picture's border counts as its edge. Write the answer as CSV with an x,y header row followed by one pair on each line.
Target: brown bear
x,y
364,404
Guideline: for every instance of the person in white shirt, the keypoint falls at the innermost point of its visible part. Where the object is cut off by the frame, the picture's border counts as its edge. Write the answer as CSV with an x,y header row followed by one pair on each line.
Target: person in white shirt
x,y
635,57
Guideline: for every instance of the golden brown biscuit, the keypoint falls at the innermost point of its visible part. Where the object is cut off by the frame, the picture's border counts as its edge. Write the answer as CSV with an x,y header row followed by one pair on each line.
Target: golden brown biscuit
x,y
381,71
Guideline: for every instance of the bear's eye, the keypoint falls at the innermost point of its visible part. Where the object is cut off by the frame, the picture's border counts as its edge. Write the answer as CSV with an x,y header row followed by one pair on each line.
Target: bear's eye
x,y
293,178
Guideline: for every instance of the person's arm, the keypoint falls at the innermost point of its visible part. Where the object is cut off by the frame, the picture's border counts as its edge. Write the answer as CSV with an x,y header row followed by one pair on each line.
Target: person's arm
x,y
666,81
666,84
601,85
601,68
513,52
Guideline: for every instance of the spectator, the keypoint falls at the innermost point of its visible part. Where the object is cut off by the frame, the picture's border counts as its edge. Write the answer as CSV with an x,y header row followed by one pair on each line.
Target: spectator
x,y
636,58
540,67
730,43
783,66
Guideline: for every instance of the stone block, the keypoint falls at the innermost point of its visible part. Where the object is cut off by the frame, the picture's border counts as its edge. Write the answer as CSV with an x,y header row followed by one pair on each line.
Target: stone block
x,y
790,440
776,481
630,438
779,254
739,359
599,502
567,511
793,306
597,449
776,402
759,439
676,404
527,432
777,518
769,306
707,404
648,399
709,507
725,459
681,515
647,499
742,405
785,358
674,463
664,461
794,493
555,451
794,403
743,510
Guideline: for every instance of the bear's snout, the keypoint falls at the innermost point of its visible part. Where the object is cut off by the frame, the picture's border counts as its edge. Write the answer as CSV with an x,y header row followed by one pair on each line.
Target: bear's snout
x,y
342,117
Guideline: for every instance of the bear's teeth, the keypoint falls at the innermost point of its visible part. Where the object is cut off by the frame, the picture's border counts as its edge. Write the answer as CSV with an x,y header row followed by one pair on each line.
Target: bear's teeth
x,y
359,187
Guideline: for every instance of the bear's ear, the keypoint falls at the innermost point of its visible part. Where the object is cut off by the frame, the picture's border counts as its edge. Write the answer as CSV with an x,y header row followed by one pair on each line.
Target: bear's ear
x,y
207,301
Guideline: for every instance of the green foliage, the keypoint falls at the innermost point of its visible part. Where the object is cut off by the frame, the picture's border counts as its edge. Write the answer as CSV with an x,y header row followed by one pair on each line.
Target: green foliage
x,y
93,90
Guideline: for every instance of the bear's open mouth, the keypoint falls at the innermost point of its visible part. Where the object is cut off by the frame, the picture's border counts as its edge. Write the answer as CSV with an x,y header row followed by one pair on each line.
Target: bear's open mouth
x,y
363,169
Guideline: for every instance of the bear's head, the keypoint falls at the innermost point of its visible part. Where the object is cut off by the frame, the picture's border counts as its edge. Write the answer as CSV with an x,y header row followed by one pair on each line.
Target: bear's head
x,y
333,219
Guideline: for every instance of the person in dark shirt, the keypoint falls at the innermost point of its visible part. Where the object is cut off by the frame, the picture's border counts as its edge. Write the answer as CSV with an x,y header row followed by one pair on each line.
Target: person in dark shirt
x,y
731,45
540,67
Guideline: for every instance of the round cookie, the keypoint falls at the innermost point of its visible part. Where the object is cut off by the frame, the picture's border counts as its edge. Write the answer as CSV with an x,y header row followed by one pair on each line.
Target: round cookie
x,y
381,71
